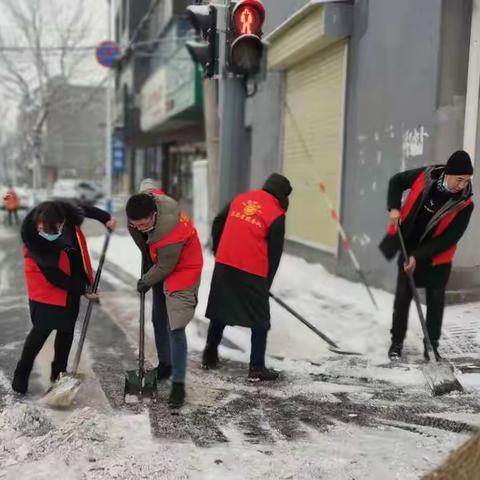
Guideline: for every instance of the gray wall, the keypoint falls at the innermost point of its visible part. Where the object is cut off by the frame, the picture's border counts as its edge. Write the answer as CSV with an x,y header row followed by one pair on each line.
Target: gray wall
x,y
264,110
405,107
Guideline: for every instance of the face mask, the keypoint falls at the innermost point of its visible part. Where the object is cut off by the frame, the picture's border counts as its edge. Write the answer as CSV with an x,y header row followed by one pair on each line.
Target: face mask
x,y
51,237
445,184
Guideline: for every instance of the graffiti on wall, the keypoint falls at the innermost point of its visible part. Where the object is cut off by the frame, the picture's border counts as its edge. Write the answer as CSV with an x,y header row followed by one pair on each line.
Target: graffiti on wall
x,y
413,141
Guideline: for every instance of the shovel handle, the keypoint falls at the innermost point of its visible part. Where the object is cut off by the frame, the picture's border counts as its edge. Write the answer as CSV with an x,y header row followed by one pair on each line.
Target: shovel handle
x,y
303,320
416,297
141,337
88,313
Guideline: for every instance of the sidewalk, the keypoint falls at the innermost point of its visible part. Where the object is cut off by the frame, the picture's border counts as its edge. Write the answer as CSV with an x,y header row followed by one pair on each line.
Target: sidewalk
x,y
329,416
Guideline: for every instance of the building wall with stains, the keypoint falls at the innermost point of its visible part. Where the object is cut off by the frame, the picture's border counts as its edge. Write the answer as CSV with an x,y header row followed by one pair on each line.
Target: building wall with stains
x,y
264,110
405,108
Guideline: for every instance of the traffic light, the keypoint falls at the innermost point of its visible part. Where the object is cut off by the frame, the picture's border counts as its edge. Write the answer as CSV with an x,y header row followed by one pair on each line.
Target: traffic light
x,y
245,37
204,20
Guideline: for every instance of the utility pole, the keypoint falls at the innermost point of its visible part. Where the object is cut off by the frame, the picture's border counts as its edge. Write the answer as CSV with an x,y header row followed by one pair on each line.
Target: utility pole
x,y
238,26
241,51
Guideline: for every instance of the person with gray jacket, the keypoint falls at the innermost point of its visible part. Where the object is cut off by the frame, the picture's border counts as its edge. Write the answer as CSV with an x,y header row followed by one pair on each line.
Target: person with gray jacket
x,y
172,266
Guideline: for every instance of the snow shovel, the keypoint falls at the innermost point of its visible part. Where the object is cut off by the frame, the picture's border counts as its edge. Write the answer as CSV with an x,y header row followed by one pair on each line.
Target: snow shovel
x,y
333,346
65,389
140,383
439,374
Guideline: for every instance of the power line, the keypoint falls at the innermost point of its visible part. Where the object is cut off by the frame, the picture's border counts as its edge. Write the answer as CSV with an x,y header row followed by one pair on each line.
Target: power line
x,y
56,49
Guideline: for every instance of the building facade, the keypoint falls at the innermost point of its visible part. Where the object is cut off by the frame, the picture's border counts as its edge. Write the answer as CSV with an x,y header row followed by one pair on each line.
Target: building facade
x,y
159,99
171,104
361,98
350,97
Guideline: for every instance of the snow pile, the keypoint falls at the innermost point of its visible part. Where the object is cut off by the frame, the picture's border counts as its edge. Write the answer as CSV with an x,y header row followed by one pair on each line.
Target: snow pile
x,y
82,444
25,419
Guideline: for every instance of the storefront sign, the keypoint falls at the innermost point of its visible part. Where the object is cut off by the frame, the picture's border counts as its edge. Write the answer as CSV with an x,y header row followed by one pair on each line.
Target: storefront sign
x,y
171,90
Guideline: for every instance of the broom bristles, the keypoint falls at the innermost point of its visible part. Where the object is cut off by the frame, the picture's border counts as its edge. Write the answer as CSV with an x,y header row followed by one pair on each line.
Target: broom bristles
x,y
462,464
63,392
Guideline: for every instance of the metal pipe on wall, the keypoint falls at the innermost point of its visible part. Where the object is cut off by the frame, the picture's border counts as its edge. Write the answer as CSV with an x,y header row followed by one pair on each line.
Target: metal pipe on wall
x,y
473,84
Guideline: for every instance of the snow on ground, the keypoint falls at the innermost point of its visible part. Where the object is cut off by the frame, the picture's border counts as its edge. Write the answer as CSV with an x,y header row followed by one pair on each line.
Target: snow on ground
x,y
370,436
338,307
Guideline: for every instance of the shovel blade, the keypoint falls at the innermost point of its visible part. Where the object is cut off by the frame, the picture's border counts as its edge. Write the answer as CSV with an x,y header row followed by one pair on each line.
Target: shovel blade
x,y
137,387
149,383
441,378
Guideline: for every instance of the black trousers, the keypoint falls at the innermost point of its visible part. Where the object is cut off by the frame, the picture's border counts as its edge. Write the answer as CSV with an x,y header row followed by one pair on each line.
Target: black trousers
x,y
258,342
403,298
11,215
34,343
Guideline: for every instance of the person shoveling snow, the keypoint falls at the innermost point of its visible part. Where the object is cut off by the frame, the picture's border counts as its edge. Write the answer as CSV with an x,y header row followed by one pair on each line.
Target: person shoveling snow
x,y
63,392
426,230
58,272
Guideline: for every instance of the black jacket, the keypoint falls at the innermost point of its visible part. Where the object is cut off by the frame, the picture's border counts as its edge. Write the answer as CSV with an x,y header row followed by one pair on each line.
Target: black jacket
x,y
46,254
419,238
241,298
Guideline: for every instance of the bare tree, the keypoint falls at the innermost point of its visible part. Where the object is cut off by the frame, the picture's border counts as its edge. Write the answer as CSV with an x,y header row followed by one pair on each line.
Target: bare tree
x,y
43,51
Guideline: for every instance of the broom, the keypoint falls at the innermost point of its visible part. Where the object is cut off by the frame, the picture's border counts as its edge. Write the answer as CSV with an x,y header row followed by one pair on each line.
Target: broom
x,y
462,464
65,389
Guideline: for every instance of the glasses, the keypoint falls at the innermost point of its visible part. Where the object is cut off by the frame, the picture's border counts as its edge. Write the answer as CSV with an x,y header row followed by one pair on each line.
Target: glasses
x,y
144,224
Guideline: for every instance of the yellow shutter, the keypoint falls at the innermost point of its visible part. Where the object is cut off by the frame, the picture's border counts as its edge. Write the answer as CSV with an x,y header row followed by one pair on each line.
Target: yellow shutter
x,y
315,93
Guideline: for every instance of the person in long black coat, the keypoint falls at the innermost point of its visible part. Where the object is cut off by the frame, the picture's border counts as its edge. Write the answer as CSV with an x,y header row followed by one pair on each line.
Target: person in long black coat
x,y
58,272
247,239
432,219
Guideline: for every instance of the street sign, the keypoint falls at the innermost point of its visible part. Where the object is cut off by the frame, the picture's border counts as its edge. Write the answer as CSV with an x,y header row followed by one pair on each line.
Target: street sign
x,y
107,53
118,155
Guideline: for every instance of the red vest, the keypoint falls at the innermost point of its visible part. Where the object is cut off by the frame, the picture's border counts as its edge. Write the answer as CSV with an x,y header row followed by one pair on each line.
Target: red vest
x,y
416,191
243,244
10,200
186,273
39,289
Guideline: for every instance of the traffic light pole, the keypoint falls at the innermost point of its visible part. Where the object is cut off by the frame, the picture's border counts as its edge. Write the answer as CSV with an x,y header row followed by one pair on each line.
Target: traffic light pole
x,y
232,118
232,137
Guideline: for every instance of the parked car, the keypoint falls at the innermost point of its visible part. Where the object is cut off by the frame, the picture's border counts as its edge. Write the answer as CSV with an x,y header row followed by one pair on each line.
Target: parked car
x,y
79,189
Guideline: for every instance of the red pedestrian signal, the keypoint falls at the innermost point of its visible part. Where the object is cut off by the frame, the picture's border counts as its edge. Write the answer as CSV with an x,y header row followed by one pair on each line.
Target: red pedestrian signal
x,y
245,37
247,19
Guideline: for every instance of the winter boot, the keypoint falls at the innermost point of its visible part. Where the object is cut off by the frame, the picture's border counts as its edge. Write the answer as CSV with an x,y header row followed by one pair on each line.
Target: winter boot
x,y
163,371
210,358
55,372
20,381
262,374
395,350
177,395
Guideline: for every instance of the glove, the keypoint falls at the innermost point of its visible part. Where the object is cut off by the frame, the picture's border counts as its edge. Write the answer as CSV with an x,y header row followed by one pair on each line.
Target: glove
x,y
142,287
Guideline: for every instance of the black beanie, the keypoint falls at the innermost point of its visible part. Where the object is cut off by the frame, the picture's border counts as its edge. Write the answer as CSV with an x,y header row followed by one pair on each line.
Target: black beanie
x,y
459,163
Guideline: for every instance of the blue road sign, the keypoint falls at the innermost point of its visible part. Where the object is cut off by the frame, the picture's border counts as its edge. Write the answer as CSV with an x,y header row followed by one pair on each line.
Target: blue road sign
x,y
118,155
107,53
